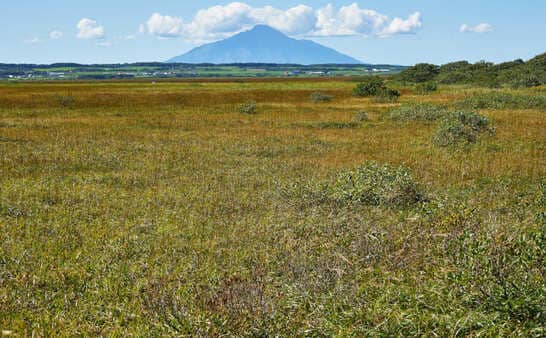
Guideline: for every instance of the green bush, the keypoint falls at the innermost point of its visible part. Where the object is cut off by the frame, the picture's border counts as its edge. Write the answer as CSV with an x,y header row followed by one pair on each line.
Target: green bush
x,y
361,116
426,88
66,101
375,184
461,127
387,95
517,73
370,86
333,125
416,112
421,72
525,81
502,100
318,97
248,108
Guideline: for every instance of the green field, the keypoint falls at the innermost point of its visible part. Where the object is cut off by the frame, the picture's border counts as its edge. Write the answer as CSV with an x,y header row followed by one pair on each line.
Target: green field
x,y
158,70
140,209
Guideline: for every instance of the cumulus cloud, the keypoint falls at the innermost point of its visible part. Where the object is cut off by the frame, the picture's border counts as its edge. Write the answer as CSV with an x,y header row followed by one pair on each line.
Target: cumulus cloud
x,y
165,26
222,21
219,22
348,20
55,35
296,20
401,26
480,28
89,29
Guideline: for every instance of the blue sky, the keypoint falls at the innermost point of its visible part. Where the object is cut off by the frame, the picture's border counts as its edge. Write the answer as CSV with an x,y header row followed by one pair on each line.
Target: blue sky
x,y
375,31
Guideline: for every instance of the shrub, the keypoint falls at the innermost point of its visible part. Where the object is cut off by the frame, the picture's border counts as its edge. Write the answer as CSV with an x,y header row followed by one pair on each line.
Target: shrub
x,y
333,125
525,81
66,101
370,86
501,100
361,116
421,72
248,108
374,184
426,88
387,95
318,97
461,127
416,112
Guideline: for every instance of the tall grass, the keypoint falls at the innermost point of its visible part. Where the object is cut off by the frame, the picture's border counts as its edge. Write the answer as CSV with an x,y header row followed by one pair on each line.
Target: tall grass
x,y
503,100
160,210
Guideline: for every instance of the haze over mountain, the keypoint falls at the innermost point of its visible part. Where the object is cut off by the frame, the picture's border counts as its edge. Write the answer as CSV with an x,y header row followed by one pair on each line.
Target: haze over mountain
x,y
263,44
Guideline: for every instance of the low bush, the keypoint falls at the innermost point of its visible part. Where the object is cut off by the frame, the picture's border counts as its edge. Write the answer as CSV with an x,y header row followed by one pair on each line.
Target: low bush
x,y
416,112
248,108
387,95
426,88
361,116
525,81
502,100
370,86
461,127
66,101
318,97
333,125
375,184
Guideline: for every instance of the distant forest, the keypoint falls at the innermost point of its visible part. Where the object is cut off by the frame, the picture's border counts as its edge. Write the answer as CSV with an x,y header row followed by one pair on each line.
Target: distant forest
x,y
516,74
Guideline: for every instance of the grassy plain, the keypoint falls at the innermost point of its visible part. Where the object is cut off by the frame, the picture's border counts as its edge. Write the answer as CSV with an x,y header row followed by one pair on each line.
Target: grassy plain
x,y
158,209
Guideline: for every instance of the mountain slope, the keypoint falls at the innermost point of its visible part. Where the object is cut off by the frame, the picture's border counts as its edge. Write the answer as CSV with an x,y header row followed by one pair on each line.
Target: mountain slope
x,y
264,44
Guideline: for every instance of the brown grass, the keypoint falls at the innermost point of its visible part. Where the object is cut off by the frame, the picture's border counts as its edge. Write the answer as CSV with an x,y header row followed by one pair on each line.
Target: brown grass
x,y
157,210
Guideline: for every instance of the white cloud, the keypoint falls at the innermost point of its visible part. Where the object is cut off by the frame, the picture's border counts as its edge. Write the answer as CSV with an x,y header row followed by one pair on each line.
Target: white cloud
x,y
55,35
296,20
104,43
165,26
90,29
33,40
219,22
400,26
222,21
349,20
480,28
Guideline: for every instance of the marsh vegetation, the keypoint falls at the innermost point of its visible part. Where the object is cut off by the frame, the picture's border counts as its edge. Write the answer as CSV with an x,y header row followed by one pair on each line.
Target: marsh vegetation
x,y
243,208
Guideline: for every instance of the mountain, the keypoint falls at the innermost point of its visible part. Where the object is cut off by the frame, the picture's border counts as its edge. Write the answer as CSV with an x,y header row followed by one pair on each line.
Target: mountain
x,y
263,44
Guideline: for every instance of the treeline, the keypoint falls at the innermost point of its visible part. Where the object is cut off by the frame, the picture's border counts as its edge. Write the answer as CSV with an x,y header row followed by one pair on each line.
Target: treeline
x,y
30,66
515,74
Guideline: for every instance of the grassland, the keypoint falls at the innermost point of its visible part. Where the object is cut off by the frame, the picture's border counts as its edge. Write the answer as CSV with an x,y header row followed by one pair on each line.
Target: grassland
x,y
147,209
155,70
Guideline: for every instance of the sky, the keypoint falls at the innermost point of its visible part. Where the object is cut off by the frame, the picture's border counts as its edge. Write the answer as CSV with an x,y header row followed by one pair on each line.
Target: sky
x,y
401,32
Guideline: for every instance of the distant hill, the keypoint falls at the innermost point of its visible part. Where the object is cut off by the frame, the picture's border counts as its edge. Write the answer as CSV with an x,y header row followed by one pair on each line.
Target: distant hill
x,y
263,44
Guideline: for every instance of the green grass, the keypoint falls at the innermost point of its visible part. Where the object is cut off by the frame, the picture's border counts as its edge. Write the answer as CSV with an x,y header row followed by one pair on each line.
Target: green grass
x,y
416,112
160,210
502,100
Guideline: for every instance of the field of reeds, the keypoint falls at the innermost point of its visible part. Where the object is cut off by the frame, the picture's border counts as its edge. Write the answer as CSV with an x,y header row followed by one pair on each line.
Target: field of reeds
x,y
271,208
